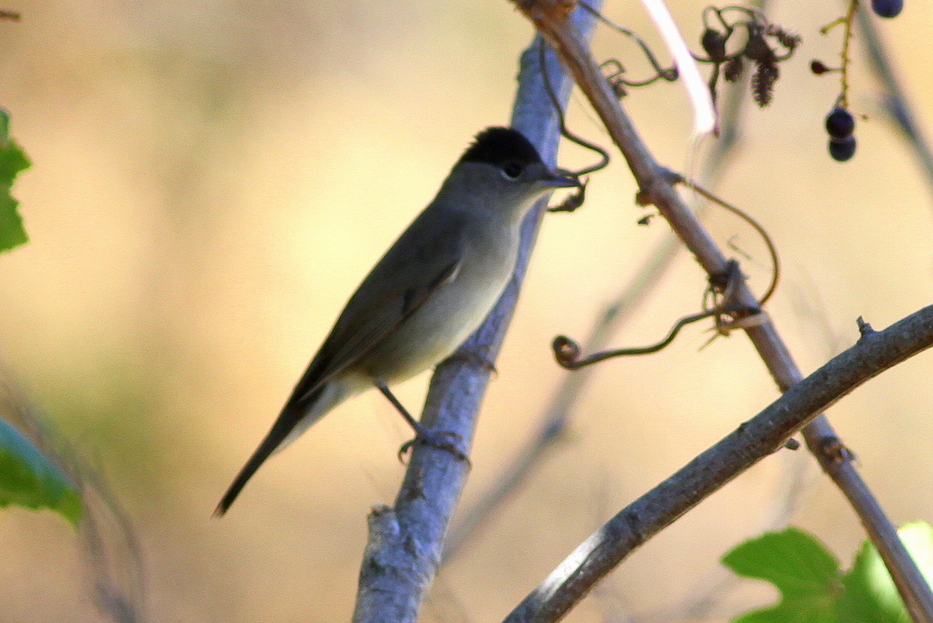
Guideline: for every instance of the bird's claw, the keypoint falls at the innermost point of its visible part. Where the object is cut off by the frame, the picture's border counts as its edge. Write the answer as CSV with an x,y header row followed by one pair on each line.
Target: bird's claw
x,y
436,440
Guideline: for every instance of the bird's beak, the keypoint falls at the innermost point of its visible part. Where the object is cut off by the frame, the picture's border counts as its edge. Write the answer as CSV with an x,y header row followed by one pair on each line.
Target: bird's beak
x,y
554,179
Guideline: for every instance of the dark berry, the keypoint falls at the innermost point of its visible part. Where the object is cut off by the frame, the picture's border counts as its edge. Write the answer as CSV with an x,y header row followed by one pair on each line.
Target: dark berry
x,y
887,8
842,150
840,123
818,67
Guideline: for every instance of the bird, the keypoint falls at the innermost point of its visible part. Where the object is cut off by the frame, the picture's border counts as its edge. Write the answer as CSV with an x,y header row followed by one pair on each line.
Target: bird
x,y
429,292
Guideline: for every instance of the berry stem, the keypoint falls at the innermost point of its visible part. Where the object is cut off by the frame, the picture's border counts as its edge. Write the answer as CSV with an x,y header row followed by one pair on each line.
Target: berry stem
x,y
846,41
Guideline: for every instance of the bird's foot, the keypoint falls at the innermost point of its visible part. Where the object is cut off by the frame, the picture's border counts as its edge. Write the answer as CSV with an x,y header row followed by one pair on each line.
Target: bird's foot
x,y
442,440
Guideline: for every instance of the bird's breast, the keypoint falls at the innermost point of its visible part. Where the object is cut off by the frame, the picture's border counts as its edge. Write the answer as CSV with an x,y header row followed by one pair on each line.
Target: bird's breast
x,y
450,315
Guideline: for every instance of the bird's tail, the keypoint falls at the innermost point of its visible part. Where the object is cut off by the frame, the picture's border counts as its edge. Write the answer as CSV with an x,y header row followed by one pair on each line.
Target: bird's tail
x,y
279,432
295,418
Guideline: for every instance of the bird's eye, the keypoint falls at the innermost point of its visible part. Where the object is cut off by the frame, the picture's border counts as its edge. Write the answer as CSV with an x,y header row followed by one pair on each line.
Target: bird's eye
x,y
512,169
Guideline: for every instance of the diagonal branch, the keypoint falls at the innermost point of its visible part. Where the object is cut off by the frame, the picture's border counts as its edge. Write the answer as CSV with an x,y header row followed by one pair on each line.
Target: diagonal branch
x,y
874,353
657,187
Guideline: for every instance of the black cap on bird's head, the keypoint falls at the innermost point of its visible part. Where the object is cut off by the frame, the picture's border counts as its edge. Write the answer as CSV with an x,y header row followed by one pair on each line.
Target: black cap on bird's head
x,y
516,158
498,146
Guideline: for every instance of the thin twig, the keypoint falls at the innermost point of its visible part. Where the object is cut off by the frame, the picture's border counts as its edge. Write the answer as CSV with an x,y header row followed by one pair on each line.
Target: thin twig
x,y
567,352
772,251
847,21
564,130
660,73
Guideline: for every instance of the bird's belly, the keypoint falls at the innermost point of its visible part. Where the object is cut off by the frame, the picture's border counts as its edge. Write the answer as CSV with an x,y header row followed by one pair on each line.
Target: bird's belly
x,y
441,324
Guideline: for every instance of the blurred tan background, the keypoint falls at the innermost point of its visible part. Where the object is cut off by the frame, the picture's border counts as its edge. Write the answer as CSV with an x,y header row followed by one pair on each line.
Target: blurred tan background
x,y
211,180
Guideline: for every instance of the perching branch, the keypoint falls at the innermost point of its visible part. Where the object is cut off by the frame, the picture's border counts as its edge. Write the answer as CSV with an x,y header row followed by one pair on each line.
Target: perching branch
x,y
405,542
874,353
657,188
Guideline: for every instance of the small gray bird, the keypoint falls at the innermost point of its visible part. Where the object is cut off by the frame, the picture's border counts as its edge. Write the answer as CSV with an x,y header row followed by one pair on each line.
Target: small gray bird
x,y
427,294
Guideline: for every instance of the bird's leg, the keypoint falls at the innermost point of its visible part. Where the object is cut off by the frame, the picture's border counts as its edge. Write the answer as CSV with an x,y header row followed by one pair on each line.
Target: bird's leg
x,y
422,434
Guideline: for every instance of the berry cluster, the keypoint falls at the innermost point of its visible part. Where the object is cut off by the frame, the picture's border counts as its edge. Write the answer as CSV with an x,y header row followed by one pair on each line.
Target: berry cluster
x,y
840,125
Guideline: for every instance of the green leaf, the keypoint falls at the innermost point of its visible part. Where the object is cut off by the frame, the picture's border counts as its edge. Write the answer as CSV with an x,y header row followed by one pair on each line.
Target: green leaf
x,y
12,161
28,478
803,570
812,588
870,595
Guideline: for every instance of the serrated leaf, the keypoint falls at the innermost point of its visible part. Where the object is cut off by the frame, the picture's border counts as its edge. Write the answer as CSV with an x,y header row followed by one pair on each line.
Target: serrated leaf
x,y
802,569
28,478
12,161
870,595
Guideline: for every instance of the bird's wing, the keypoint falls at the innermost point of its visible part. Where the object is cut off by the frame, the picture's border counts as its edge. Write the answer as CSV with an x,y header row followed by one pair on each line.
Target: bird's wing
x,y
407,275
